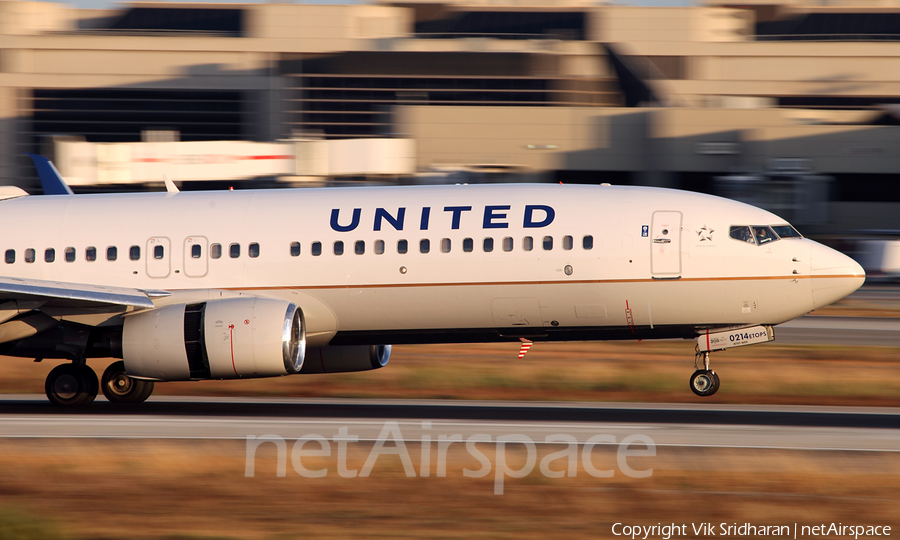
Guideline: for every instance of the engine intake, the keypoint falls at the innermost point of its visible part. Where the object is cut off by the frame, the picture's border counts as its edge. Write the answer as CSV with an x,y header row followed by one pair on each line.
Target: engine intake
x,y
245,337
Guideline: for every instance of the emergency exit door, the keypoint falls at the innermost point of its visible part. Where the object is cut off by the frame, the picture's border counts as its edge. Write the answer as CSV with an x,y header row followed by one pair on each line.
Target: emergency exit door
x,y
158,257
665,235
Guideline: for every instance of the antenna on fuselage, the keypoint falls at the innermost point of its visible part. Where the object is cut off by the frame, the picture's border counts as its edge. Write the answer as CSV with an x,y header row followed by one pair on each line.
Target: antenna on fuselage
x,y
170,185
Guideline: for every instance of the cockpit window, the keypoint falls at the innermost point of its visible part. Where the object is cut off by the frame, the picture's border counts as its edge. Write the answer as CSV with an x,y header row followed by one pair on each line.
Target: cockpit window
x,y
742,233
786,231
764,234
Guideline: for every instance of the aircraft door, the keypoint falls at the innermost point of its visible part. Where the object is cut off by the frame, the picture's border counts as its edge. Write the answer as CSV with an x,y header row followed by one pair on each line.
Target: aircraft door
x,y
196,258
159,257
665,254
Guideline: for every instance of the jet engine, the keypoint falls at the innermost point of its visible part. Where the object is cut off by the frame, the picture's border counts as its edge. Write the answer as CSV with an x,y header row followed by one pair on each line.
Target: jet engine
x,y
232,338
346,358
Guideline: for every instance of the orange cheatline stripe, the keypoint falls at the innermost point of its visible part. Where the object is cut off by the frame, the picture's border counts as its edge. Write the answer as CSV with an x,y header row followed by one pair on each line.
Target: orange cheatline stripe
x,y
508,283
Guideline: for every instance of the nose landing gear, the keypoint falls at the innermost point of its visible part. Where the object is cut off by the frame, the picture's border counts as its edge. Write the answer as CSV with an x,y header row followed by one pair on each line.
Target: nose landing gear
x,y
704,382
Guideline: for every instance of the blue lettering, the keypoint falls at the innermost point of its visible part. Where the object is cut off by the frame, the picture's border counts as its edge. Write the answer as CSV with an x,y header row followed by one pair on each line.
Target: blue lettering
x,y
423,223
530,223
354,223
457,212
490,215
397,223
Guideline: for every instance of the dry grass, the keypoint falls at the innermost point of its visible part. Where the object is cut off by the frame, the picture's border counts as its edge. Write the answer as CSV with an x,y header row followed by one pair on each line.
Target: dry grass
x,y
167,490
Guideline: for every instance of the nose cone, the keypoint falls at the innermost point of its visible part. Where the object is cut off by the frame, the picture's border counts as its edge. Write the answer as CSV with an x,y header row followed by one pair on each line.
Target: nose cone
x,y
834,275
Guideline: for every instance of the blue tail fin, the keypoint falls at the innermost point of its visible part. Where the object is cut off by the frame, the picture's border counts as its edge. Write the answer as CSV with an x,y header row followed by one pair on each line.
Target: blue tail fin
x,y
51,180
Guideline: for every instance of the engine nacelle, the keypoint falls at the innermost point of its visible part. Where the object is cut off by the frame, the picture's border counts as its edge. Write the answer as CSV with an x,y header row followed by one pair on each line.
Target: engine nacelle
x,y
244,337
346,359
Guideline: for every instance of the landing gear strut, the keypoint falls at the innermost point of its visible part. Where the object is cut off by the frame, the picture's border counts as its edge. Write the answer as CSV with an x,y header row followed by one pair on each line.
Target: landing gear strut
x,y
704,382
118,387
71,385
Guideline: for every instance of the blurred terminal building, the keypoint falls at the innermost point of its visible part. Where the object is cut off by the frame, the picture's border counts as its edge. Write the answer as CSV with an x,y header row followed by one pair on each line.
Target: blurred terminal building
x,y
792,106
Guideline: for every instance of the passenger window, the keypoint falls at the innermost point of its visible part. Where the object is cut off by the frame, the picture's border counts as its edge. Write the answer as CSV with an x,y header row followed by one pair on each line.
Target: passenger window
x,y
567,243
295,249
196,251
49,255
402,246
29,255
339,247
468,245
548,243
527,243
234,251
742,233
316,249
10,256
134,253
159,252
445,245
488,245
112,253
587,242
379,247
507,244
70,254
253,250
424,245
215,251
360,247
90,254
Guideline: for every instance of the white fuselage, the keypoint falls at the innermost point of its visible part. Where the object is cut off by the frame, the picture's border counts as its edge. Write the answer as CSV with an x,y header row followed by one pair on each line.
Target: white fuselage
x,y
657,262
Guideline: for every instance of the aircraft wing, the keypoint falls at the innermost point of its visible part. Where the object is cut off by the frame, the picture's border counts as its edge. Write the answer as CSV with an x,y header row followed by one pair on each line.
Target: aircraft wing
x,y
59,294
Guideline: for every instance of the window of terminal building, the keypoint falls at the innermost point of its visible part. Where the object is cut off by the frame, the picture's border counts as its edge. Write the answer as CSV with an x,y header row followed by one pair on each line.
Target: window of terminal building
x,y
295,249
90,254
315,248
29,255
215,251
70,254
134,253
49,255
253,250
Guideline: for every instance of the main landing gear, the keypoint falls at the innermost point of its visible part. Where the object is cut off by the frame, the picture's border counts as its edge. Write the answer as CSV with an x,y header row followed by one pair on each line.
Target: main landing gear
x,y
76,384
704,382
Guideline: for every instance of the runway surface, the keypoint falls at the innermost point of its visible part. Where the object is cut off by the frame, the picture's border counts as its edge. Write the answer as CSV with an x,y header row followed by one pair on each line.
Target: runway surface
x,y
685,425
848,331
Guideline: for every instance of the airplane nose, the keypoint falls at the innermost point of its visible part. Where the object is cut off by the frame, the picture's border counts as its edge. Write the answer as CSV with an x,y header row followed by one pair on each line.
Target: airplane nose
x,y
834,275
